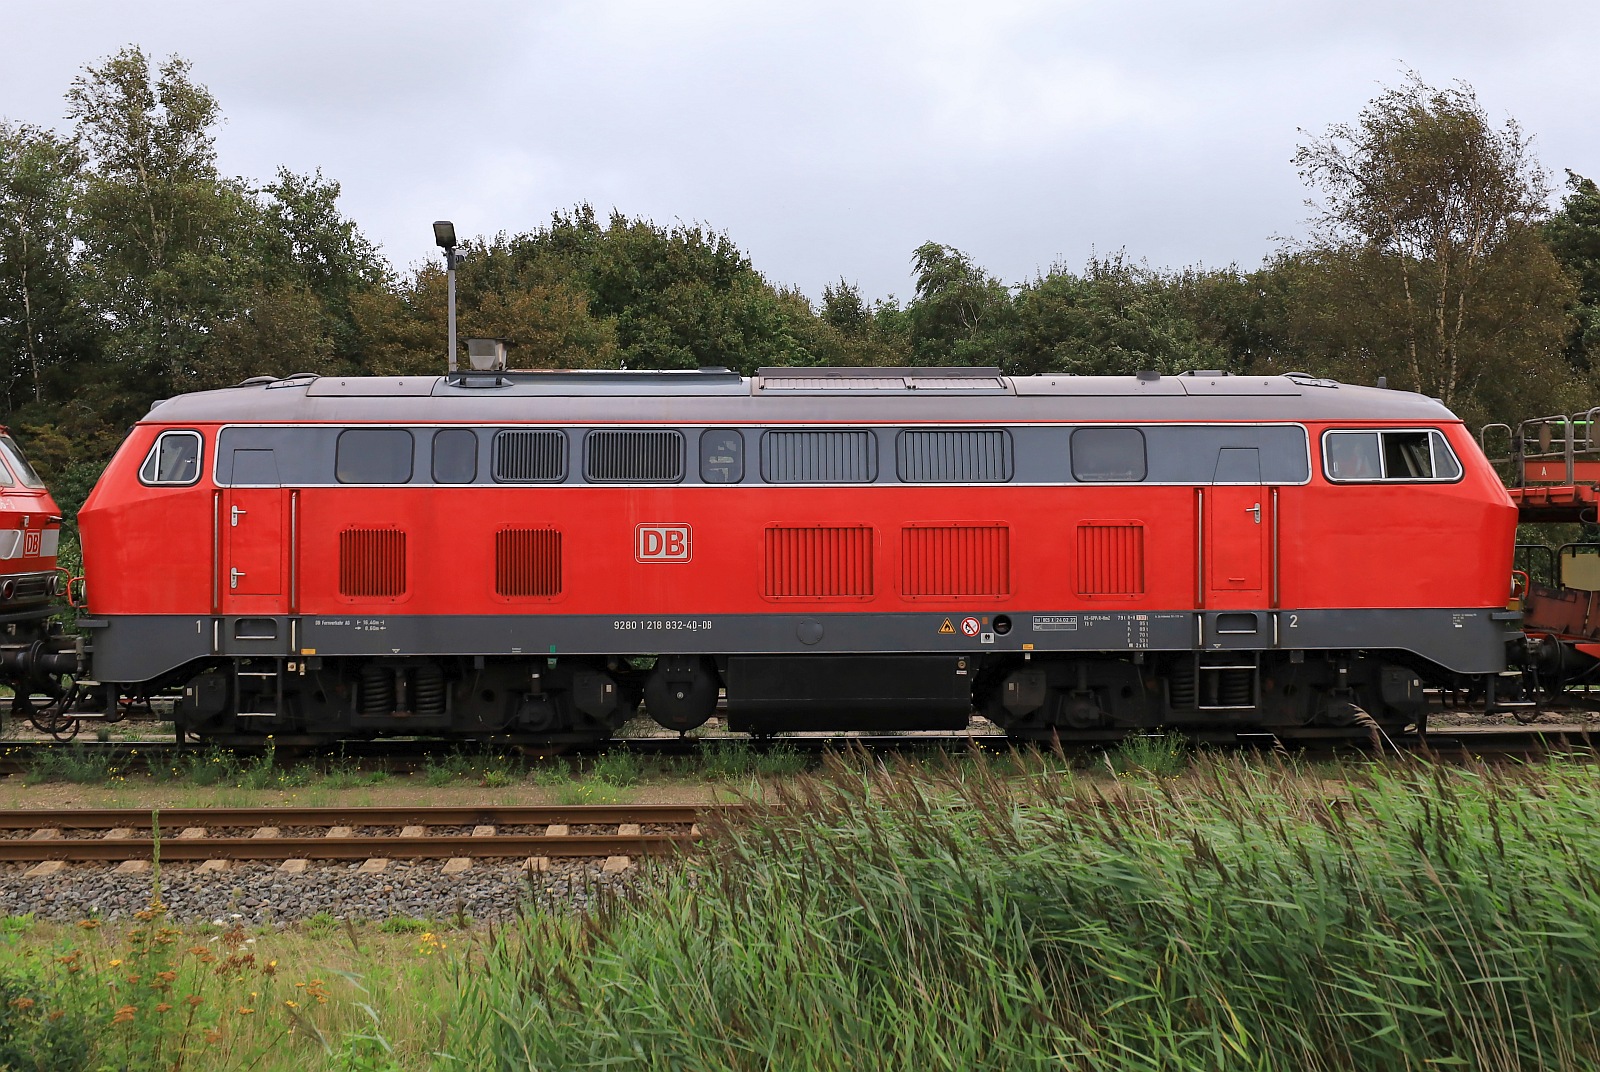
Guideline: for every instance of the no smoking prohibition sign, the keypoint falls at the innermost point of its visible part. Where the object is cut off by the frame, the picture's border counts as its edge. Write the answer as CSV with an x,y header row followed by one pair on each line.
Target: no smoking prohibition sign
x,y
969,626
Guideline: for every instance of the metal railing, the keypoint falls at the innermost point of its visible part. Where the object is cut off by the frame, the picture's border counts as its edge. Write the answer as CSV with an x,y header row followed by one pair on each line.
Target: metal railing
x,y
1561,438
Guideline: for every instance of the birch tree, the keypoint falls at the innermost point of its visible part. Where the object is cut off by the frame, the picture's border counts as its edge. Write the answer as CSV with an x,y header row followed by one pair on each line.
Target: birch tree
x,y
1427,233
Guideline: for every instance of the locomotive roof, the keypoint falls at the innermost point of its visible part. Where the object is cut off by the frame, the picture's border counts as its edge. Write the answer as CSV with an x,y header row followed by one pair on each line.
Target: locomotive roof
x,y
821,395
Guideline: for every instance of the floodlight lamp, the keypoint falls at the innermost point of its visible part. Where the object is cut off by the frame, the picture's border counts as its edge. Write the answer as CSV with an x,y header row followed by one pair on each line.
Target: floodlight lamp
x,y
444,233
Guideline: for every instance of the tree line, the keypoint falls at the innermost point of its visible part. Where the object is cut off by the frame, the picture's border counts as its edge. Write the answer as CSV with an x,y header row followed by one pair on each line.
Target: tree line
x,y
131,269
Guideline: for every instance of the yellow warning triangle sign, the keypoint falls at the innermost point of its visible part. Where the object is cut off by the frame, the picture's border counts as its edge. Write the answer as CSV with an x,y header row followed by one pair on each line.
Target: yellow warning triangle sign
x,y
947,627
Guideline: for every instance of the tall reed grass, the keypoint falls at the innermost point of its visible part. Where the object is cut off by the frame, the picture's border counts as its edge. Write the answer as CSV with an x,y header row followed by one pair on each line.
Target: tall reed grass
x,y
1242,918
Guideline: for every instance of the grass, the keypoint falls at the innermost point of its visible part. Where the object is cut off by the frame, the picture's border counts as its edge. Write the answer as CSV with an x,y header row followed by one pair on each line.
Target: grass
x,y
982,916
606,775
71,763
1163,755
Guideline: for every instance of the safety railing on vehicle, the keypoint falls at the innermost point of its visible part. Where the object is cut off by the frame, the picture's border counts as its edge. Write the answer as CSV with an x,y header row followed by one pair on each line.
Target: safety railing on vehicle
x,y
1559,449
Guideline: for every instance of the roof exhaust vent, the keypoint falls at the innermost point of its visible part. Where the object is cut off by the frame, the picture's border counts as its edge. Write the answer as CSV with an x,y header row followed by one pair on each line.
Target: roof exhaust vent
x,y
486,355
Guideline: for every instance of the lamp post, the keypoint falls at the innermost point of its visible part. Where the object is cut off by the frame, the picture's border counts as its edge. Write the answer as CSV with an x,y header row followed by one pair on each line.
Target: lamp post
x,y
444,233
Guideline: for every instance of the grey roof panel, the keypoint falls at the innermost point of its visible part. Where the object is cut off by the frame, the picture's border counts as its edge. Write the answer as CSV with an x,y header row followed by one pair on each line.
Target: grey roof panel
x,y
366,386
1130,386
1239,385
616,399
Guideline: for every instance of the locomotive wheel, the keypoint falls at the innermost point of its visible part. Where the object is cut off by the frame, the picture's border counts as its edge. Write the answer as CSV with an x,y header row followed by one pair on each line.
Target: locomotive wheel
x,y
681,692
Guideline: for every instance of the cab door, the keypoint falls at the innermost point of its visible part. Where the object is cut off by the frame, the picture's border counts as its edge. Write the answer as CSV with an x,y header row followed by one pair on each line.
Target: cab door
x,y
1238,519
252,535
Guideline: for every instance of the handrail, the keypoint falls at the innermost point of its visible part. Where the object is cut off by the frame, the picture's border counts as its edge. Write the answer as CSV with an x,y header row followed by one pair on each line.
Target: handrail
x,y
1568,437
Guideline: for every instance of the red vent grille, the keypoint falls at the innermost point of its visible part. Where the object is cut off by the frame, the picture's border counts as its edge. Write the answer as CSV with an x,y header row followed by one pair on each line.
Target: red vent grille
x,y
372,562
527,562
955,560
819,563
1111,558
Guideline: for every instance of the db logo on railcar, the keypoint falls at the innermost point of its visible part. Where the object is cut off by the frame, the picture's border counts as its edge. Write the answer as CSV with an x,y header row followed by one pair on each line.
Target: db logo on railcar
x,y
662,543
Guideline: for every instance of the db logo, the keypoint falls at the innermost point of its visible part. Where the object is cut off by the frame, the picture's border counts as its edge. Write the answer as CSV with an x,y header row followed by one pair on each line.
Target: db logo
x,y
30,543
662,543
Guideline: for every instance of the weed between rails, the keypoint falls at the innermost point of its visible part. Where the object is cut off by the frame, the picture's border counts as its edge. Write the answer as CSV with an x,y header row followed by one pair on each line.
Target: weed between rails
x,y
979,917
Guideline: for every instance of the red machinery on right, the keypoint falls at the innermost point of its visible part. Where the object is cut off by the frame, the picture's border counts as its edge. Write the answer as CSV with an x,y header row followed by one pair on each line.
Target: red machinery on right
x,y
1551,466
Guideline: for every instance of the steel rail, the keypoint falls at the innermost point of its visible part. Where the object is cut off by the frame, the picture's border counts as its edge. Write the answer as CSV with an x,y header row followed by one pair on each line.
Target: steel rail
x,y
394,847
172,819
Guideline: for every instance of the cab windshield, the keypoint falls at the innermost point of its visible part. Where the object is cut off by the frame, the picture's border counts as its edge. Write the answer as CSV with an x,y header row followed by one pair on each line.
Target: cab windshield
x,y
19,464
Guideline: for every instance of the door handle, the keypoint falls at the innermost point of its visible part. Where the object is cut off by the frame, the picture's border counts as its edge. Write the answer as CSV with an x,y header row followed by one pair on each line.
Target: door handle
x,y
1256,510
237,514
233,577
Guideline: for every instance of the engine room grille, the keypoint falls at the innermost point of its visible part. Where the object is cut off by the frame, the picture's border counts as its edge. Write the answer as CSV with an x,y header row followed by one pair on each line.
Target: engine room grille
x,y
527,562
1111,558
955,560
819,562
653,456
530,456
372,562
980,456
818,457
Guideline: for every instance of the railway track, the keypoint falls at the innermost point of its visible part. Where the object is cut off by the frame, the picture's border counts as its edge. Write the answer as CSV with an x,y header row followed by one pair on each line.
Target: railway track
x,y
216,838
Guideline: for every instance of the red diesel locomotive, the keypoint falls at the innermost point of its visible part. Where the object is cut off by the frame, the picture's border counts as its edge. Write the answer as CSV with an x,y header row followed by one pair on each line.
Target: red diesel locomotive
x,y
33,654
528,554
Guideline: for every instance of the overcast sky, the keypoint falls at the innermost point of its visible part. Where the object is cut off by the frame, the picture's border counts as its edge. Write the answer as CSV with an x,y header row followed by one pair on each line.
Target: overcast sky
x,y
828,139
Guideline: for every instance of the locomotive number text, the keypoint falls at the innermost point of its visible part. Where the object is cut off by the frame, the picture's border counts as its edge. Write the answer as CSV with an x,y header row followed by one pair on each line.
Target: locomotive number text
x,y
660,625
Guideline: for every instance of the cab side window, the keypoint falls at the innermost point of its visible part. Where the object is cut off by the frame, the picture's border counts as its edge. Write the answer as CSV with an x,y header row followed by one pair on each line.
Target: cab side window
x,y
174,460
1406,456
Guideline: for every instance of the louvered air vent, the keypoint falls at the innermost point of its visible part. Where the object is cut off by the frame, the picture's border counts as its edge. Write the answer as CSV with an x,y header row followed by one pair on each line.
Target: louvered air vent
x,y
372,562
530,456
652,456
955,560
819,563
1111,558
527,562
819,457
955,456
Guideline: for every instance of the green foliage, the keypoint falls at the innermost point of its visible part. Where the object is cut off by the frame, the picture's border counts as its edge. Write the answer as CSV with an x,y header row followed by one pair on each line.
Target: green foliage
x,y
78,764
961,313
727,759
1115,319
36,1033
43,325
349,774
210,766
620,768
1414,918
1574,236
593,791
323,925
1429,265
1162,756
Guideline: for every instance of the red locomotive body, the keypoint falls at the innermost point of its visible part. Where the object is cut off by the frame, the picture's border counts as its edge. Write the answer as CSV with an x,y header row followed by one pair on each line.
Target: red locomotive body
x,y
30,531
528,553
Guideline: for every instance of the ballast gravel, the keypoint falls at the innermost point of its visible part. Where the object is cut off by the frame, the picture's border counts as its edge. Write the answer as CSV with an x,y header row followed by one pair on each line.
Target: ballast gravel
x,y
260,894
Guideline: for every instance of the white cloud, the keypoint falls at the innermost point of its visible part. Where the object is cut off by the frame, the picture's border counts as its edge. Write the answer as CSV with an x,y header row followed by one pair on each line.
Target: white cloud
x,y
828,138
